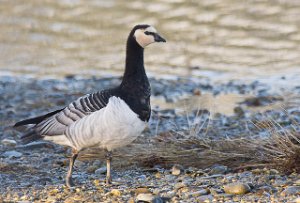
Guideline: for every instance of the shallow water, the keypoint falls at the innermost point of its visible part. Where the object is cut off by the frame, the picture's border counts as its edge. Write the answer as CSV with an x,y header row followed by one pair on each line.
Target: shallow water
x,y
216,39
222,103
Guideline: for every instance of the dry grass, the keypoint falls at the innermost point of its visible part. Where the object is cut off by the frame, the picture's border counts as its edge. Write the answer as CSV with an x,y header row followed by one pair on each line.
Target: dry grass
x,y
278,151
281,149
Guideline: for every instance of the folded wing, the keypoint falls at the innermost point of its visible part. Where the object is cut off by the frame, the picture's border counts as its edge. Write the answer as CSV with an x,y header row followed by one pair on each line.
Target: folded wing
x,y
55,123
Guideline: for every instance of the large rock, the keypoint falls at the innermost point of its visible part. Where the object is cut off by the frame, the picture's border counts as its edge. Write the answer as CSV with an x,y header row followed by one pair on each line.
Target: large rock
x,y
237,188
12,154
9,142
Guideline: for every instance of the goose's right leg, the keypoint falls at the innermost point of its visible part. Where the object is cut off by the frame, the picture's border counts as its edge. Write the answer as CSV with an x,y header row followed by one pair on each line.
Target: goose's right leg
x,y
69,181
108,157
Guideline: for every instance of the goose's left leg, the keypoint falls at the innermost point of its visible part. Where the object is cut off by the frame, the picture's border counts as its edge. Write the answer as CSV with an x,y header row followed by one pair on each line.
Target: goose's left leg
x,y
108,157
69,181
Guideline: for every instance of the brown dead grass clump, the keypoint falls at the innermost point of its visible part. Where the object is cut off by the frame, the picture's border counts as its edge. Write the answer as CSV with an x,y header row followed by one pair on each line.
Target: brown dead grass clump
x,y
280,149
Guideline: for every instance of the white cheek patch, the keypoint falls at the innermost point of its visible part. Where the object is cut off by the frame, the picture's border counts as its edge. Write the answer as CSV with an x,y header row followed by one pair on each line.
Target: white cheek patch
x,y
142,39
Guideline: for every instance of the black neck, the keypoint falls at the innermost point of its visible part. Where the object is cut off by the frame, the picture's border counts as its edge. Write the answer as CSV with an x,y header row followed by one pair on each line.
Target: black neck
x,y
135,88
134,67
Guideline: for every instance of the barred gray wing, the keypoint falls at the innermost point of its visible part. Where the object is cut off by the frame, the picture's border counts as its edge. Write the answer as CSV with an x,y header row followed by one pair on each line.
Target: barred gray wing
x,y
83,106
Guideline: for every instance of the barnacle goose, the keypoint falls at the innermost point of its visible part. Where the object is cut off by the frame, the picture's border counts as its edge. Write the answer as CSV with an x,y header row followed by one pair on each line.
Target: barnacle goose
x,y
110,118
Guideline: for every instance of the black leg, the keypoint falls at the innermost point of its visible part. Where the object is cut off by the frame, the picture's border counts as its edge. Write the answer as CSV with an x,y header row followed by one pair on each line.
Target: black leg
x,y
108,170
69,181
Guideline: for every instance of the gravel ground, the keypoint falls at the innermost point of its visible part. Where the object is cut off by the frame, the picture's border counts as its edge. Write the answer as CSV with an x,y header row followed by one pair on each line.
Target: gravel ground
x,y
35,172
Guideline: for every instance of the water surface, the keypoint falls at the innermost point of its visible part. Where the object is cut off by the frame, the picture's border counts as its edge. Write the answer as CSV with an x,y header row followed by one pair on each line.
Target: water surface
x,y
216,39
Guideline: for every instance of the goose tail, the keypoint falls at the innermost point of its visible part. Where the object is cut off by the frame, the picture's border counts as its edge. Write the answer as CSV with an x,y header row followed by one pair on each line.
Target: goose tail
x,y
36,120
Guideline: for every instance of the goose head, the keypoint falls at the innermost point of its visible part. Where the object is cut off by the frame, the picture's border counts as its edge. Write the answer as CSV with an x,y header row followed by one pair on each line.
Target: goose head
x,y
145,35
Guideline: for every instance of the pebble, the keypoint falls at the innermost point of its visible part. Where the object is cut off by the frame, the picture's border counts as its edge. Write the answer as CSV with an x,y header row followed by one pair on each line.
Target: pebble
x,y
179,185
142,178
205,199
101,170
12,154
265,189
291,190
142,190
237,188
176,170
146,197
297,182
115,192
297,200
218,169
53,192
273,172
97,163
200,193
196,193
9,142
91,169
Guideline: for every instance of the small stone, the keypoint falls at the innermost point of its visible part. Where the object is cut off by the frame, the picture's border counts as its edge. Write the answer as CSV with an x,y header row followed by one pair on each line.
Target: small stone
x,y
146,197
237,188
156,191
9,142
216,192
177,170
131,200
101,170
297,200
141,190
97,163
218,169
179,185
141,178
158,175
169,194
200,193
96,182
12,154
115,192
91,169
46,159
273,172
170,178
205,198
297,182
44,180
257,171
157,200
291,190
79,163
53,192
239,111
266,189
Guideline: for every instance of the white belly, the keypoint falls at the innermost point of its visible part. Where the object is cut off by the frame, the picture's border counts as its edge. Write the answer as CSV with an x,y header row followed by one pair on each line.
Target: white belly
x,y
112,127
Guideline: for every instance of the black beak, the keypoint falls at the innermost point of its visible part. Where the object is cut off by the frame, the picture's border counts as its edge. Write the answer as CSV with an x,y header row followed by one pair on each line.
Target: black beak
x,y
158,38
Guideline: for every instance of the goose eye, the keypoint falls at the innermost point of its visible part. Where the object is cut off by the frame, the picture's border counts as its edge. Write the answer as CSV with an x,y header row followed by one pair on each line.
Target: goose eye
x,y
149,33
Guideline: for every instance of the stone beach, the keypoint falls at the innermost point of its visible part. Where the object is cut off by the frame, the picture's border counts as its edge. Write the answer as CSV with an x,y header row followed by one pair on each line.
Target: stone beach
x,y
35,172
